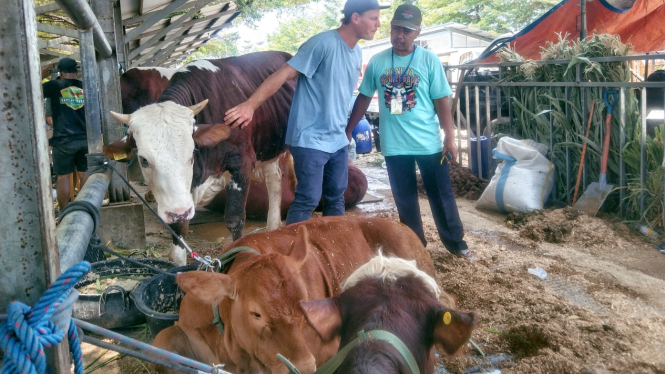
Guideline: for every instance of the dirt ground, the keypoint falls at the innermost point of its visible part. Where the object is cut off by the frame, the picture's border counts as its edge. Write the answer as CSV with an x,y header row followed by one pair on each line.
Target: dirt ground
x,y
601,308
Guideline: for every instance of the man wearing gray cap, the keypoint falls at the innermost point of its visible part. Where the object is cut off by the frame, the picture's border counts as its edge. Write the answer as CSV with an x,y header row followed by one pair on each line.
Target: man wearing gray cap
x,y
69,141
415,109
327,66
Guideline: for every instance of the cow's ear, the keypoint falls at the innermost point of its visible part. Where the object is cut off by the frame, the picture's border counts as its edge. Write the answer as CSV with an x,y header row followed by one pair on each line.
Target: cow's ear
x,y
197,108
211,135
453,329
207,287
300,247
120,150
324,315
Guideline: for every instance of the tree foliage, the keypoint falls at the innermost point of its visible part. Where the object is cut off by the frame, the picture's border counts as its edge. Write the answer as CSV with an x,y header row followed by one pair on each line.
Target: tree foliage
x,y
290,35
497,16
223,46
251,11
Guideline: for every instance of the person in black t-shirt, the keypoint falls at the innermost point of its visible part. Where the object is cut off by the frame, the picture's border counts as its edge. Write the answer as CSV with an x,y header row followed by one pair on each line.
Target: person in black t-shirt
x,y
69,141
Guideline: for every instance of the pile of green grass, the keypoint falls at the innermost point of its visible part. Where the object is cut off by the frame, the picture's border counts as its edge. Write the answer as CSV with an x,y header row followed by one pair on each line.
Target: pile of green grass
x,y
534,107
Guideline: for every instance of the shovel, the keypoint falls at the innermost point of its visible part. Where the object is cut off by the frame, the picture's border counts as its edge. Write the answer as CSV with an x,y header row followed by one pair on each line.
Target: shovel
x,y
597,192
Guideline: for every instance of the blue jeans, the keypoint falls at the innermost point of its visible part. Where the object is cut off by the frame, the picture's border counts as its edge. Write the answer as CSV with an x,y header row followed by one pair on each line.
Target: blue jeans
x,y
318,173
436,178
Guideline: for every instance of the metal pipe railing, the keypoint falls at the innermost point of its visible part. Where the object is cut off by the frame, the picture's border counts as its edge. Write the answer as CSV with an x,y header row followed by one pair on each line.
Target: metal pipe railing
x,y
76,228
84,18
582,87
655,56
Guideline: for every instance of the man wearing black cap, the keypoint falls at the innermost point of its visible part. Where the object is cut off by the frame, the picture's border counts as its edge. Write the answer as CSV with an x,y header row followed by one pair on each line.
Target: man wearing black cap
x,y
69,139
414,112
327,67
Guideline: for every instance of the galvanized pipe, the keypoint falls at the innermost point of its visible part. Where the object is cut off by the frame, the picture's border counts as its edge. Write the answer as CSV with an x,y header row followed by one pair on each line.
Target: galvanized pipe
x,y
643,151
459,128
468,127
488,130
75,229
510,110
571,84
622,143
552,157
81,14
479,158
535,100
654,56
566,110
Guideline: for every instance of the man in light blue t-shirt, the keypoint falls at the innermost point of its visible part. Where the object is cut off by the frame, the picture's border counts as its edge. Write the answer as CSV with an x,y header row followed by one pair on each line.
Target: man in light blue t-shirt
x,y
327,67
413,108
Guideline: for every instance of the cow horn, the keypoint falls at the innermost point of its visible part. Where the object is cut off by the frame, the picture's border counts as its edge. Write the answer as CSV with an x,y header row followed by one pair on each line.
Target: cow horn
x,y
196,108
122,118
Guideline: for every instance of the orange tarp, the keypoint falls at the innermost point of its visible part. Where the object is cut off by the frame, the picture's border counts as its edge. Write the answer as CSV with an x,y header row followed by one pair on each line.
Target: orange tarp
x,y
643,26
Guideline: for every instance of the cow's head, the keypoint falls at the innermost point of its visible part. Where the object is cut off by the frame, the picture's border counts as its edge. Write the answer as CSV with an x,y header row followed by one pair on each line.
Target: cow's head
x,y
165,137
392,294
258,303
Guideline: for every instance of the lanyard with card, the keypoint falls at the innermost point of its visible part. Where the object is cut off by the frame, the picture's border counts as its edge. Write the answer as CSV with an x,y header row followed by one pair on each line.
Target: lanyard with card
x,y
397,102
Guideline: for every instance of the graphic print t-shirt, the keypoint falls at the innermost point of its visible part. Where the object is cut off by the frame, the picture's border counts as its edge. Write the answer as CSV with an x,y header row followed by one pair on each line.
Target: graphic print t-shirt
x,y
416,131
66,96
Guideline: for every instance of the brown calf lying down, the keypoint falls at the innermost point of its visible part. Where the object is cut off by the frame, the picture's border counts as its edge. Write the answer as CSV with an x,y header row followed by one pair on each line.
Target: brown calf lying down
x,y
390,294
258,297
258,202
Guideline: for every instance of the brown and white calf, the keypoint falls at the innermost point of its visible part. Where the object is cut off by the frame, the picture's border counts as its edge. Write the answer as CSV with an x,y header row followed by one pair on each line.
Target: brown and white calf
x,y
259,294
390,294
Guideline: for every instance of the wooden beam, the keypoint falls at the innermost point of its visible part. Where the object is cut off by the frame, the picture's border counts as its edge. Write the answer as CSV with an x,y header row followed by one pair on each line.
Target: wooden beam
x,y
75,56
41,44
57,30
62,47
153,18
169,28
49,61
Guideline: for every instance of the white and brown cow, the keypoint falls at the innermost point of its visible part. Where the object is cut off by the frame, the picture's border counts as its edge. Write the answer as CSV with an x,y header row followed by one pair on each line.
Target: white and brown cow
x,y
184,149
143,86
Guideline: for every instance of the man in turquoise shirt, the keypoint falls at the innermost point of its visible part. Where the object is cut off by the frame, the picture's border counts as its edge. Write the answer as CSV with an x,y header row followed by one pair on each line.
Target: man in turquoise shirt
x,y
327,67
413,107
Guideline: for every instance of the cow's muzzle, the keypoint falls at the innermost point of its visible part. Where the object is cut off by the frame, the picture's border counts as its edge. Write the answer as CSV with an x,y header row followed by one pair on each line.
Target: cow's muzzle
x,y
179,217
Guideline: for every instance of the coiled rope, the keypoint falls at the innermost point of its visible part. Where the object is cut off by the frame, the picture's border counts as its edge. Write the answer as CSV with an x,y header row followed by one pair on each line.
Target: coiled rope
x,y
27,331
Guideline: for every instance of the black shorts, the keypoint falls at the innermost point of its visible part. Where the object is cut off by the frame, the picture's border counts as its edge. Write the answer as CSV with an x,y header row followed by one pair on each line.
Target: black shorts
x,y
68,155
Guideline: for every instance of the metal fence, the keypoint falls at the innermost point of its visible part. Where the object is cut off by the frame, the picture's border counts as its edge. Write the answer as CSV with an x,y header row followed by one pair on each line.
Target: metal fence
x,y
500,86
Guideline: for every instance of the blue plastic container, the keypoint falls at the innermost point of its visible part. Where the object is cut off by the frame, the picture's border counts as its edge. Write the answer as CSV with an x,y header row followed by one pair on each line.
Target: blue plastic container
x,y
488,163
363,137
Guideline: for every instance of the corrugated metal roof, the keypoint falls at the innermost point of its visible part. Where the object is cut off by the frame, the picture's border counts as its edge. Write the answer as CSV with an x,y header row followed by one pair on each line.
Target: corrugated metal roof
x,y
153,35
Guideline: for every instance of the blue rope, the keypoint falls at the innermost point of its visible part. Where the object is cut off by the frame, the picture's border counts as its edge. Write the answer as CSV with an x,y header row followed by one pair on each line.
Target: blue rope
x,y
28,330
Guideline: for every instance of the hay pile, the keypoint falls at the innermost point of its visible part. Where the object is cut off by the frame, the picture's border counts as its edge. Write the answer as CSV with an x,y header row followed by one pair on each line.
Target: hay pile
x,y
465,183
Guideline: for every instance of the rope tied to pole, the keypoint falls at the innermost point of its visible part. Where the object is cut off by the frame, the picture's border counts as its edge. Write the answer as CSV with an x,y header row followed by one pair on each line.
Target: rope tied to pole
x,y
27,331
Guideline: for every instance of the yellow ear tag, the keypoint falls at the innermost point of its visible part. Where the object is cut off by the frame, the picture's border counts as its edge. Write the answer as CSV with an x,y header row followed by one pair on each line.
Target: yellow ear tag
x,y
446,318
119,156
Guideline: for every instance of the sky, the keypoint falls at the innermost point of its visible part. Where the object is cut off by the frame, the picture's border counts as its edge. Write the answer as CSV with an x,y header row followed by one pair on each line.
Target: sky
x,y
269,24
